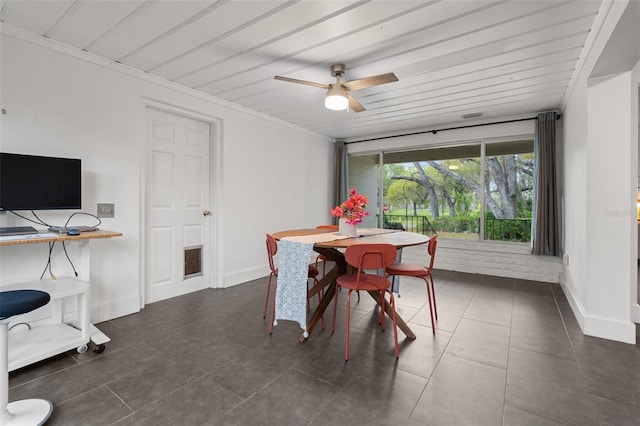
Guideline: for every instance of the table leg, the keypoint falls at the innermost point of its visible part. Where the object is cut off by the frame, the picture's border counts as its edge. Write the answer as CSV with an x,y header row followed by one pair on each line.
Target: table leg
x,y
399,321
328,283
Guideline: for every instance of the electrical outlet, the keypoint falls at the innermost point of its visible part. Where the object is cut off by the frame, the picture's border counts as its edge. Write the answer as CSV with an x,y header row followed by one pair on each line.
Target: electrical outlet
x,y
106,210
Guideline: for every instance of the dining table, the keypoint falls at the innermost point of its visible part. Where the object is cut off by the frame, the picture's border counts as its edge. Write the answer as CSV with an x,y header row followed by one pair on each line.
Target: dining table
x,y
333,249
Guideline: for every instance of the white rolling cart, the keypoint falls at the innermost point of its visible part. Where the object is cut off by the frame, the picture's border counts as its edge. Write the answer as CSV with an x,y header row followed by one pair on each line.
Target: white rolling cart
x,y
37,337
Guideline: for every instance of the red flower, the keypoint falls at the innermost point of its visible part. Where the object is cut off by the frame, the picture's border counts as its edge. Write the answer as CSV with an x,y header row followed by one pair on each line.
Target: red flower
x,y
337,212
353,208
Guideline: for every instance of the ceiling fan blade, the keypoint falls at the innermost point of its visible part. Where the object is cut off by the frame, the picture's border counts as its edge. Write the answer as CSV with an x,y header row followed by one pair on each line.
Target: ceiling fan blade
x,y
354,105
375,80
305,82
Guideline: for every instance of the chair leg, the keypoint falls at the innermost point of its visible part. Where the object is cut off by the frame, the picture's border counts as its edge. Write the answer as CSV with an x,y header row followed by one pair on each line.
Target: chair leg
x,y
346,345
273,308
433,294
266,299
433,325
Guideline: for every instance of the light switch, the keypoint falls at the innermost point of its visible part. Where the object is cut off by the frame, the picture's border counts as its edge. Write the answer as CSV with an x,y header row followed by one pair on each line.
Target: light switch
x,y
106,210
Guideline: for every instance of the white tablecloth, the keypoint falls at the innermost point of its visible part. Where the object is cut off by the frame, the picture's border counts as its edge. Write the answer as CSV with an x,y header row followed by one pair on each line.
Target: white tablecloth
x,y
294,254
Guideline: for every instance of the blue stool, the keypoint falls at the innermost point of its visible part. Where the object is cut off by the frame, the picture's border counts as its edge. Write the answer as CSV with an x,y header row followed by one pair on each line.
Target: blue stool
x,y
26,411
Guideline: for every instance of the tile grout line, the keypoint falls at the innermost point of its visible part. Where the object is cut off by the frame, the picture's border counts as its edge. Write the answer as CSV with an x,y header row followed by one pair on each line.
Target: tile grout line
x,y
441,355
506,374
573,349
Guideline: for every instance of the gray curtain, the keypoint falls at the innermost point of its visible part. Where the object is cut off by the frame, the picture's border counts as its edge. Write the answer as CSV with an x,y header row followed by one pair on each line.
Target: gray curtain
x,y
546,227
340,166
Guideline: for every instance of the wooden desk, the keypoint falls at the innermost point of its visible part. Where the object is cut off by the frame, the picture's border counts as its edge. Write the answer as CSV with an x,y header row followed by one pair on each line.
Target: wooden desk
x,y
330,249
59,291
45,237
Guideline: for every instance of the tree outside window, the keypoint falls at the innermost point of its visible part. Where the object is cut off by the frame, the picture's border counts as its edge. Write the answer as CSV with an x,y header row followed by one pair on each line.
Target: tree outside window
x,y
460,192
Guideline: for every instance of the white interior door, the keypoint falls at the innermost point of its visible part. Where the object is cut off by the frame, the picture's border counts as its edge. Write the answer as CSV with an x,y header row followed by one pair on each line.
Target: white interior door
x,y
177,205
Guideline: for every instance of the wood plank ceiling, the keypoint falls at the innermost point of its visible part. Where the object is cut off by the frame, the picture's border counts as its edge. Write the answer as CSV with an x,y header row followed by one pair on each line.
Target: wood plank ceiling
x,y
452,57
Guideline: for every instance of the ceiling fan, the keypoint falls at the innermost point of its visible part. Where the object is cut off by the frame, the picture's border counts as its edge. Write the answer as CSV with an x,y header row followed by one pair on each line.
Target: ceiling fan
x,y
338,96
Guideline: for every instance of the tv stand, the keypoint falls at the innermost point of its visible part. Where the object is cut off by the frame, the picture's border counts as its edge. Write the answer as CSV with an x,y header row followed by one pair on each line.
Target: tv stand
x,y
44,341
17,230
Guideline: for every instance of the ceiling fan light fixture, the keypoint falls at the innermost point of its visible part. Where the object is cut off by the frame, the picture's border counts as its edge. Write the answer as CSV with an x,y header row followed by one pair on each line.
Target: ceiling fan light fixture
x,y
336,98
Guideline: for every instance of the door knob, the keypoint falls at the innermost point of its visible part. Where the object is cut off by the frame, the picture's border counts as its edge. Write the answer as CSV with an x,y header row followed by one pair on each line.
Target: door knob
x,y
206,213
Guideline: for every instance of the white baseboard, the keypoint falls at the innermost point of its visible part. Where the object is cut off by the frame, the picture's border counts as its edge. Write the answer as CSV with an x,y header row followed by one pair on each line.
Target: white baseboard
x,y
609,329
114,309
245,275
590,325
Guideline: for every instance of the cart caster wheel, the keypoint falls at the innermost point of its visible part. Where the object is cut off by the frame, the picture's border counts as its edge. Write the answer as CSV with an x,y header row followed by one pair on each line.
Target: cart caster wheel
x,y
82,349
99,349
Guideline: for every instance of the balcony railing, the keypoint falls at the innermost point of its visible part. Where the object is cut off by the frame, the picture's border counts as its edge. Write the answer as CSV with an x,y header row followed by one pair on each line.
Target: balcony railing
x,y
494,229
507,229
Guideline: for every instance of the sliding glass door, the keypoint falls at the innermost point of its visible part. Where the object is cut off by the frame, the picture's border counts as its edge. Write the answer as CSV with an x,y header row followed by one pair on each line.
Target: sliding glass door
x,y
476,191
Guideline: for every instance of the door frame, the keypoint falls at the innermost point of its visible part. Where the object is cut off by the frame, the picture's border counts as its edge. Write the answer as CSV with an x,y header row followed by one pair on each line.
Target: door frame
x,y
215,263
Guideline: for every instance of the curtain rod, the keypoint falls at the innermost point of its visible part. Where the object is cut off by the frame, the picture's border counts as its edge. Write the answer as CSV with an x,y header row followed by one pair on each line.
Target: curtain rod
x,y
448,128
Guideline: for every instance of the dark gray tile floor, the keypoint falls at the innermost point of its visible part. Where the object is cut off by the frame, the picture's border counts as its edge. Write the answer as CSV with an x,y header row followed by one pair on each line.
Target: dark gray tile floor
x,y
506,352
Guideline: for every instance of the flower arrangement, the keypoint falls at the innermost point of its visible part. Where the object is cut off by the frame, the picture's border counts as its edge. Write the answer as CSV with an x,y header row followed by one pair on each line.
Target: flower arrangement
x,y
353,209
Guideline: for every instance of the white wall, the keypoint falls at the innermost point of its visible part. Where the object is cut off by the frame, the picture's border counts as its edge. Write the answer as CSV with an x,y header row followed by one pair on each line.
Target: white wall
x,y
62,102
600,172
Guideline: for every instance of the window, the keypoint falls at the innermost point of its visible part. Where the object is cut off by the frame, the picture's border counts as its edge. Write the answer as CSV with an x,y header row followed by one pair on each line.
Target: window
x,y
476,191
508,191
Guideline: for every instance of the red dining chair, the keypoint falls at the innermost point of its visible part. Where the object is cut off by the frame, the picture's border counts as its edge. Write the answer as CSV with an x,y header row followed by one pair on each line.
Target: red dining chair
x,y
425,273
320,257
363,257
272,249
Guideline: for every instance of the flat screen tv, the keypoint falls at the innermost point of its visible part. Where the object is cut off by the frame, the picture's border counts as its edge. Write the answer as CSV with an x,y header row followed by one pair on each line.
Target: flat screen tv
x,y
31,182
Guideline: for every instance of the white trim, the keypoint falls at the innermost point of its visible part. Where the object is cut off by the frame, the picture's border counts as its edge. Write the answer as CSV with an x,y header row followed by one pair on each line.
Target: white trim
x,y
215,261
610,329
245,276
115,309
29,37
574,302
605,328
216,276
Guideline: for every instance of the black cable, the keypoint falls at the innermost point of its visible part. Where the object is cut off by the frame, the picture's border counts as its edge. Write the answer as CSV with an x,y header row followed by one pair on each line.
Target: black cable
x,y
87,214
39,222
69,259
48,265
19,323
52,244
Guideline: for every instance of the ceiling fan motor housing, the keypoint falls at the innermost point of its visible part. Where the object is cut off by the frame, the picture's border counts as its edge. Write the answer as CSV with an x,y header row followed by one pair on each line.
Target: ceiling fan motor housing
x,y
337,70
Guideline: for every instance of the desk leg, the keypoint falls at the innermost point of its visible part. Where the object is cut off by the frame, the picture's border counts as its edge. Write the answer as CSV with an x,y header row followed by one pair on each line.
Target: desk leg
x,y
97,337
399,321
